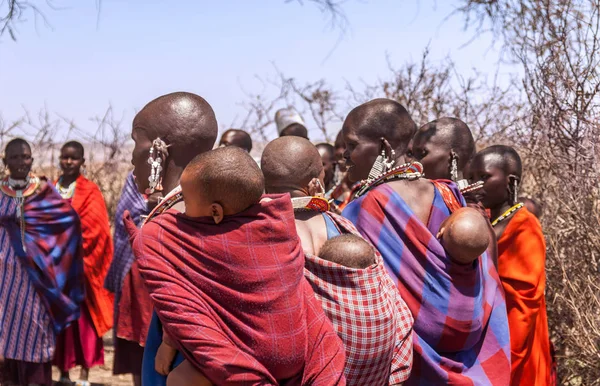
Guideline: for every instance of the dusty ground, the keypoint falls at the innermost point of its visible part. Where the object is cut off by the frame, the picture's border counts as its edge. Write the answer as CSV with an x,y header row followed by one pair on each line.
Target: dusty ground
x,y
102,375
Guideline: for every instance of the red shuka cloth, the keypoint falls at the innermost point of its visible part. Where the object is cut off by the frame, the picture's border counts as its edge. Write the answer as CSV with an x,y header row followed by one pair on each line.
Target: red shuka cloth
x,y
234,298
89,204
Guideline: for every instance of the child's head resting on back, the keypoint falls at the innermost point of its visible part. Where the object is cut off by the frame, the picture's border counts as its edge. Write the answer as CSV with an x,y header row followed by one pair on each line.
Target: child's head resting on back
x,y
221,182
348,250
465,235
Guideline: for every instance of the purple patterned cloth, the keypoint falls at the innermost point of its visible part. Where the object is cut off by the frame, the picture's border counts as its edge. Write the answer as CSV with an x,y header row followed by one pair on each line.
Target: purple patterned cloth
x,y
53,255
134,202
461,328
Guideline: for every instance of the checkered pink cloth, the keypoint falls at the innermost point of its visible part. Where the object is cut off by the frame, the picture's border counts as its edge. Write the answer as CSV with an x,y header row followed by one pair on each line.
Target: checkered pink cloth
x,y
369,315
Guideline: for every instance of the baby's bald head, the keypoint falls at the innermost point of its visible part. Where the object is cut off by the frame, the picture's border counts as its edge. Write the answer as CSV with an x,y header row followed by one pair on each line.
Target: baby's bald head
x,y
465,235
227,176
290,163
348,250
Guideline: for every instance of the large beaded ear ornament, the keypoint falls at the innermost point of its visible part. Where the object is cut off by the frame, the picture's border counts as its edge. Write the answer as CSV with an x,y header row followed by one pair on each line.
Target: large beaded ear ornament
x,y
156,157
453,166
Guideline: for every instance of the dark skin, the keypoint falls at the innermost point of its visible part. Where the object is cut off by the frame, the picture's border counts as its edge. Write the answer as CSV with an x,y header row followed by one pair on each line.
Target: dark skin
x,y
159,119
310,225
18,160
340,148
232,138
361,152
328,166
433,153
434,143
295,129
498,179
432,149
71,161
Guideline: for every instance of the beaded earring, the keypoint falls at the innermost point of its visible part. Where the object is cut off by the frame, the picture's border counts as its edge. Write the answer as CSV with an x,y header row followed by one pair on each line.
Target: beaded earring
x,y
157,155
453,166
378,166
515,191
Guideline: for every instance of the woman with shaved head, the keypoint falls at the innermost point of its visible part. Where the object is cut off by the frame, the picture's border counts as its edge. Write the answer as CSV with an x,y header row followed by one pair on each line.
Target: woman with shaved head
x,y
521,263
460,329
444,147
41,270
168,133
380,352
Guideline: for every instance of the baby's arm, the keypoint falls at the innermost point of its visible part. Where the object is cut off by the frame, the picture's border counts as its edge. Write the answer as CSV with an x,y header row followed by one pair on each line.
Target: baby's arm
x,y
187,375
164,358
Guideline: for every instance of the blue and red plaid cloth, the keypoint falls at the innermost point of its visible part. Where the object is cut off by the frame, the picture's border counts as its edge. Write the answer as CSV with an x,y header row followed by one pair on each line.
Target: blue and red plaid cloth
x,y
461,329
134,202
54,257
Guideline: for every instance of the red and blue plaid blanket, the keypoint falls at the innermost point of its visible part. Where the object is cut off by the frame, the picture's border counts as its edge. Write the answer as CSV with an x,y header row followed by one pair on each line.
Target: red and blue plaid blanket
x,y
461,328
54,259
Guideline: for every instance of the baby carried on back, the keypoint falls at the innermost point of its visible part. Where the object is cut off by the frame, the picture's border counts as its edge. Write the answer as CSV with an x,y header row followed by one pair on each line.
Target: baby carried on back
x,y
227,281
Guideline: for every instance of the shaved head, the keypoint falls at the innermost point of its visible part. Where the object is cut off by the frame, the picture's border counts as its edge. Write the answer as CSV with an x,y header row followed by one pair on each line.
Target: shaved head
x,y
465,235
236,137
499,167
227,175
16,143
348,250
366,130
434,142
504,157
185,121
290,163
384,118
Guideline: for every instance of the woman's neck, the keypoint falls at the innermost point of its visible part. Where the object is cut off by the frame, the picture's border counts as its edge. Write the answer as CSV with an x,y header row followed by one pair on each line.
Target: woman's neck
x,y
171,178
499,210
68,180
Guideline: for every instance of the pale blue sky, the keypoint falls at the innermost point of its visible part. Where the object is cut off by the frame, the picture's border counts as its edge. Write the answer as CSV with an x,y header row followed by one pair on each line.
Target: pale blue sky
x,y
142,49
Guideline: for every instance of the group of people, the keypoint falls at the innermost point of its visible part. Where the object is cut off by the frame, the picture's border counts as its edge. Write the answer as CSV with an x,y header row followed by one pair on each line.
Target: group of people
x,y
397,255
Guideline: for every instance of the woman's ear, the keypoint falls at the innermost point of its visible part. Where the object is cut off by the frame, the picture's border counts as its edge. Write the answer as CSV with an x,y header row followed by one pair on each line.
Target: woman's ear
x,y
216,211
387,148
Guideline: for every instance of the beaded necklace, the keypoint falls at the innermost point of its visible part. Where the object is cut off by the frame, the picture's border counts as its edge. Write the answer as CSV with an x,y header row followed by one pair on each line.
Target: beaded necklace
x,y
506,214
319,204
408,171
165,204
19,190
67,192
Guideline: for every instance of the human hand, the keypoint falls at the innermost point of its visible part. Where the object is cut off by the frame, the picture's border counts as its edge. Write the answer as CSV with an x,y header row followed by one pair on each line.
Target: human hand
x,y
164,359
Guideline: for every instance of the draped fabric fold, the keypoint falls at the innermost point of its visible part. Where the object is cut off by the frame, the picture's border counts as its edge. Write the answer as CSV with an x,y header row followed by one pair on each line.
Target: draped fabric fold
x,y
369,315
54,258
460,330
521,263
89,203
234,299
132,201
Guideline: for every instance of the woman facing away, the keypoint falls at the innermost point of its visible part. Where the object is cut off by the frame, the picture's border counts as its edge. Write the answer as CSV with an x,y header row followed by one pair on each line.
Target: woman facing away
x,y
41,270
81,343
460,323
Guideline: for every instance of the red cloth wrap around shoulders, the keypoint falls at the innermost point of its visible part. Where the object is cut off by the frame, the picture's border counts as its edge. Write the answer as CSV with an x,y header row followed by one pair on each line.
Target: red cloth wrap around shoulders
x,y
89,204
234,298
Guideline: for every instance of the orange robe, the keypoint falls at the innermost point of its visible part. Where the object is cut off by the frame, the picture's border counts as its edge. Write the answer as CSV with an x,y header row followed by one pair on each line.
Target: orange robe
x,y
521,265
89,204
